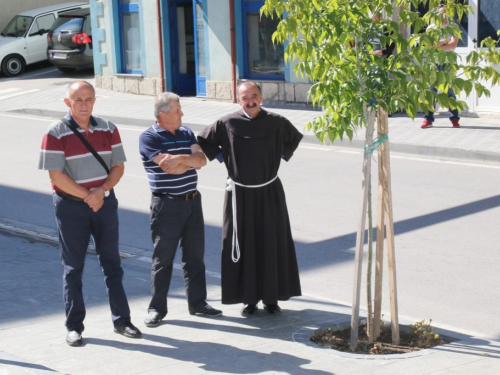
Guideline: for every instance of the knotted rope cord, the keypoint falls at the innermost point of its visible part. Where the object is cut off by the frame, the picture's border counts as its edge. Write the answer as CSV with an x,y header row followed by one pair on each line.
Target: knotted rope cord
x,y
376,143
231,186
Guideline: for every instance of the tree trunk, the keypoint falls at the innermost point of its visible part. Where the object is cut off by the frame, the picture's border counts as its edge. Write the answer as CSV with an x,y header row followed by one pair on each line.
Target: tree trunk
x,y
360,238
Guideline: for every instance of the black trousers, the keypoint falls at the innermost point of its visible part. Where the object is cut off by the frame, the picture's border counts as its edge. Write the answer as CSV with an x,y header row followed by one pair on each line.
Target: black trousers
x,y
76,222
175,222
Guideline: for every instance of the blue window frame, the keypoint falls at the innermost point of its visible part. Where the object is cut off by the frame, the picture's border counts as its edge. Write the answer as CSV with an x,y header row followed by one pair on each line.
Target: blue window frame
x,y
262,58
130,37
199,47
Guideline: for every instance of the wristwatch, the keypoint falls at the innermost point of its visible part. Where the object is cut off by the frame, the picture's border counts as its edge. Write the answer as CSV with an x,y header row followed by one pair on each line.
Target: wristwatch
x,y
106,191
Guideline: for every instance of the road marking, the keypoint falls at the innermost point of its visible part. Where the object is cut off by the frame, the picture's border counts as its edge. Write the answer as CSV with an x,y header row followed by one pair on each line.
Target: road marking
x,y
317,148
44,119
38,74
412,158
18,94
131,127
8,90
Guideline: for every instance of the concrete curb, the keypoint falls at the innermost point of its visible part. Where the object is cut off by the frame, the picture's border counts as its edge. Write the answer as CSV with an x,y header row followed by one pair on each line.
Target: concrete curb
x,y
49,236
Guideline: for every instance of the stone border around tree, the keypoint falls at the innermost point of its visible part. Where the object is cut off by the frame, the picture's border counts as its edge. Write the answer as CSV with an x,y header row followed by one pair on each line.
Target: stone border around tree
x,y
303,336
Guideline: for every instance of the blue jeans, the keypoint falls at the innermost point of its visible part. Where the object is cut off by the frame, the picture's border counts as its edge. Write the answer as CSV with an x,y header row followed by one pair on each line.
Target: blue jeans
x,y
451,94
174,221
76,222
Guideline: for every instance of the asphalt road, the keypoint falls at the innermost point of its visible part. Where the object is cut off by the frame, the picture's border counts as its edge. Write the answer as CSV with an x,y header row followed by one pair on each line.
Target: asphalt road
x,y
446,214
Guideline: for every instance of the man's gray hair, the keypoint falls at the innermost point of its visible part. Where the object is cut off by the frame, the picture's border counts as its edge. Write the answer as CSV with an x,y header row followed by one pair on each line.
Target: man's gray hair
x,y
247,83
162,102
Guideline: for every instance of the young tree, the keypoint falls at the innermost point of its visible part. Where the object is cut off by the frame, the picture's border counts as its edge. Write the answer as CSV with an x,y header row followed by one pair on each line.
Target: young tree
x,y
330,39
330,42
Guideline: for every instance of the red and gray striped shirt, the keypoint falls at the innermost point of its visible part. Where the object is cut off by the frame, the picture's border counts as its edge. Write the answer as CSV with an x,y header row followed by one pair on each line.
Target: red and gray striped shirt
x,y
63,151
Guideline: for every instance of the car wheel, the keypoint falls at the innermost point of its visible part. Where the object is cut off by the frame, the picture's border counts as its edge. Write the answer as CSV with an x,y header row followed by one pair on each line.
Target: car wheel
x,y
67,70
13,65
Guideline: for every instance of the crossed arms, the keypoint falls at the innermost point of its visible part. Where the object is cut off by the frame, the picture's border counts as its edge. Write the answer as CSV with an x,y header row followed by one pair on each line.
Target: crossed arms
x,y
178,164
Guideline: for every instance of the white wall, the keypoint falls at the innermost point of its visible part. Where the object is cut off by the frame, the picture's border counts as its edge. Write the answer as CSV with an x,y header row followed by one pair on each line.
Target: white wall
x,y
150,39
219,40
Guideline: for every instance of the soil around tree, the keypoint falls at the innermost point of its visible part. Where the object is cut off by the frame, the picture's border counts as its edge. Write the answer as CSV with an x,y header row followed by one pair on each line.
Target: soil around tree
x,y
339,340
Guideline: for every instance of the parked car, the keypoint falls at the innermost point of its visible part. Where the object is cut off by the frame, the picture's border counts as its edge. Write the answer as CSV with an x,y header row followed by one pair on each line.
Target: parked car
x,y
70,41
23,40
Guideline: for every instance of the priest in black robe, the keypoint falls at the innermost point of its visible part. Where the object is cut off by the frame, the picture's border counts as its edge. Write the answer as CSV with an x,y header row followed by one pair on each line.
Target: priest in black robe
x,y
258,254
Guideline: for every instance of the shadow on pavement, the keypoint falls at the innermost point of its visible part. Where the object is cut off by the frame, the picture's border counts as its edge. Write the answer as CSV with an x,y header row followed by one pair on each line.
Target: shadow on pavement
x,y
207,354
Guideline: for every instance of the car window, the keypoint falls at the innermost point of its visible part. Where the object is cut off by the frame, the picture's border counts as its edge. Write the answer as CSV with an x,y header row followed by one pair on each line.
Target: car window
x,y
67,24
42,23
17,26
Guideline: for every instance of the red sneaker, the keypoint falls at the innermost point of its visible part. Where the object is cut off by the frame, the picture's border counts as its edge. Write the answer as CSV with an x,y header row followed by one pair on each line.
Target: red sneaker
x,y
426,124
455,124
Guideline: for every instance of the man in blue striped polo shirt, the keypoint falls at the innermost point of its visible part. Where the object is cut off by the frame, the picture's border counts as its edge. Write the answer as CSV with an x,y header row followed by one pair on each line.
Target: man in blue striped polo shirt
x,y
170,155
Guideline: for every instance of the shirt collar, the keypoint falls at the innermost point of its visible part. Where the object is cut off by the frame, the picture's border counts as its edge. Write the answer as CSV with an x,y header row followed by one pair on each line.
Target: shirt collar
x,y
157,128
247,115
93,121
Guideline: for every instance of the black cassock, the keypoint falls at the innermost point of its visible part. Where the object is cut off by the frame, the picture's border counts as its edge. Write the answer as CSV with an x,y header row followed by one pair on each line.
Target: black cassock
x,y
252,150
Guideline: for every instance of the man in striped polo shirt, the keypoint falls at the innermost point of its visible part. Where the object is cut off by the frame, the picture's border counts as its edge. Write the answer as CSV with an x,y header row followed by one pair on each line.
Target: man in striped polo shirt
x,y
85,206
170,155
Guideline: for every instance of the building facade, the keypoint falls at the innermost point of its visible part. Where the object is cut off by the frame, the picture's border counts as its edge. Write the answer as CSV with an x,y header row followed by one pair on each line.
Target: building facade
x,y
204,48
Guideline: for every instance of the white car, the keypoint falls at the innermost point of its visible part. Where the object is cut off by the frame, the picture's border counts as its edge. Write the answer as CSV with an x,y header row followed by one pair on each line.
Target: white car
x,y
24,40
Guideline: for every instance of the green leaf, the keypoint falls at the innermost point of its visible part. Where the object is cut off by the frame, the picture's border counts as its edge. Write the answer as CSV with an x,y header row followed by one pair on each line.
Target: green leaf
x,y
443,99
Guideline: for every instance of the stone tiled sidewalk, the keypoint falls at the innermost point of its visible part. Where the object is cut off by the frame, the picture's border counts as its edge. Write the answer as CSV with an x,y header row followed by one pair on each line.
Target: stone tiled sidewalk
x,y
32,332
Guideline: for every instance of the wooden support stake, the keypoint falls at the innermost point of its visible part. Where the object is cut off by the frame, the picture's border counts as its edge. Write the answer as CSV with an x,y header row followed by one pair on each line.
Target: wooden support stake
x,y
379,254
360,238
391,253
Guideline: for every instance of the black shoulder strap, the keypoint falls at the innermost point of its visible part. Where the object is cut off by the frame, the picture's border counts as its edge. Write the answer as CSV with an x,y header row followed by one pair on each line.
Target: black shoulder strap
x,y
86,143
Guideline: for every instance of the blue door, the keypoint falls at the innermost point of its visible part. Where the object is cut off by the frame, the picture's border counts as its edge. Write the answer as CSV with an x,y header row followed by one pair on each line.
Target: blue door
x,y
199,46
183,51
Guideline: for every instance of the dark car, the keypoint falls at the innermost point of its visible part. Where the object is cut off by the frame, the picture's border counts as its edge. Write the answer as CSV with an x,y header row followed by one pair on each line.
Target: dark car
x,y
70,41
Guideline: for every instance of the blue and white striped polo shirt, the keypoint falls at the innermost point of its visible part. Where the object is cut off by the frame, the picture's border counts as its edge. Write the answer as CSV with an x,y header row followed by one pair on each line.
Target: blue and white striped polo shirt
x,y
156,140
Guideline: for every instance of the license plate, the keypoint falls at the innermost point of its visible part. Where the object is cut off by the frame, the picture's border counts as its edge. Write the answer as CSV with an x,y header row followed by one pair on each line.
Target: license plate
x,y
59,56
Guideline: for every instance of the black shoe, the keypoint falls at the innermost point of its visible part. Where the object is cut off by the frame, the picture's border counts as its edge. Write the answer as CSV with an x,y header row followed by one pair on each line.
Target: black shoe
x,y
74,338
206,310
248,309
128,330
272,308
153,319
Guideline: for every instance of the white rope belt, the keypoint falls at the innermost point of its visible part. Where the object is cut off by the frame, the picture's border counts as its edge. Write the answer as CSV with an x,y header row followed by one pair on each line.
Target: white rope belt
x,y
231,186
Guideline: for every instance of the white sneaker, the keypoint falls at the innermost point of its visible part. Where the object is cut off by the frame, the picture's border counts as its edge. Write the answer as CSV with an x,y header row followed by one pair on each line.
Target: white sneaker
x,y
153,319
74,338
